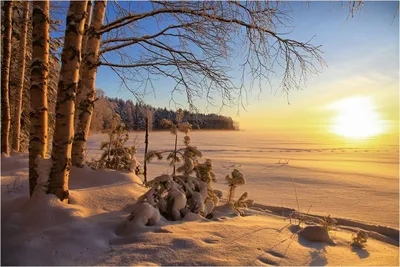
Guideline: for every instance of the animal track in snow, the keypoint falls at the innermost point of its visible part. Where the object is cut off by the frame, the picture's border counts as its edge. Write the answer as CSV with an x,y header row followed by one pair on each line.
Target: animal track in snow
x,y
210,240
271,257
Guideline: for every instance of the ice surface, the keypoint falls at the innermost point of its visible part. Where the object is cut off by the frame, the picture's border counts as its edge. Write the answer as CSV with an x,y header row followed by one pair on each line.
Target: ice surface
x,y
343,178
350,185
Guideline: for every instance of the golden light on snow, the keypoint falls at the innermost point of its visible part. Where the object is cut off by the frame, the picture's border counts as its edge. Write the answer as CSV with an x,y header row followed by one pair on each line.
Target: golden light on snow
x,y
357,117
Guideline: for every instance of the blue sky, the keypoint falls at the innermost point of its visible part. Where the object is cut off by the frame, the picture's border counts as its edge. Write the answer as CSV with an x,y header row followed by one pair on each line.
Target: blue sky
x,y
362,54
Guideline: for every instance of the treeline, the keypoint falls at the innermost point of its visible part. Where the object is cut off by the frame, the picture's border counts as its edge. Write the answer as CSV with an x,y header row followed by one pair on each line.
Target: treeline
x,y
49,101
133,116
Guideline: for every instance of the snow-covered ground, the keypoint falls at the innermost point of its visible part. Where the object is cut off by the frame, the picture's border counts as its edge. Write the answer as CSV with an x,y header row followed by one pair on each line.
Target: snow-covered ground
x,y
356,180
360,185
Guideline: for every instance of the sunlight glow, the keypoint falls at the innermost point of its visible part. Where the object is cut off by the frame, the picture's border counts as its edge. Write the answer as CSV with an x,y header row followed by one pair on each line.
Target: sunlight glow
x,y
357,118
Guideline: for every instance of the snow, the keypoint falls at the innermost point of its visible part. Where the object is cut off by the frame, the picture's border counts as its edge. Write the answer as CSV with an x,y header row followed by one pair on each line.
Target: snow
x,y
179,202
341,178
142,215
103,224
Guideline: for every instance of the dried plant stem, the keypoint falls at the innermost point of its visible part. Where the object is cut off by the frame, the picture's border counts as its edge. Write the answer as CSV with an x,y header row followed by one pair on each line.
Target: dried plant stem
x,y
146,142
176,147
231,192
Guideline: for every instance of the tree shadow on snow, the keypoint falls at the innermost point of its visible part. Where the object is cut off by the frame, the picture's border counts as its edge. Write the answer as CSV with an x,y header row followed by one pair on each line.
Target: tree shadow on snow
x,y
318,258
313,244
361,252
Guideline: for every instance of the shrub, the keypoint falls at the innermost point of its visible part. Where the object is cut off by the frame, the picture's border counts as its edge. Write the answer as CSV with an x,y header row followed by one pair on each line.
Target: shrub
x,y
241,203
115,154
188,189
328,223
360,239
234,180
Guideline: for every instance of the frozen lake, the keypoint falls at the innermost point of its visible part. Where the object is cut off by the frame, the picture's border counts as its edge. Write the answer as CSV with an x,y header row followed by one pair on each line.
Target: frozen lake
x,y
358,180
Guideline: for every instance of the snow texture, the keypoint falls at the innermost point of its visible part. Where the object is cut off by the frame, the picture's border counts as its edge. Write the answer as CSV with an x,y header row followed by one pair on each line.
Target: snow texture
x,y
142,215
94,229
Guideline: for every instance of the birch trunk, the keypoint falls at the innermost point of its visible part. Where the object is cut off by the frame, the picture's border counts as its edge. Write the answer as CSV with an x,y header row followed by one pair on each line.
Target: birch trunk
x,y
88,93
38,91
5,78
21,78
65,106
84,52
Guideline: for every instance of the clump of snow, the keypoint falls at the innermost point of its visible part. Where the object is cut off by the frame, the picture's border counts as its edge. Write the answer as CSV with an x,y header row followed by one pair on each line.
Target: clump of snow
x,y
179,202
236,179
228,209
219,193
134,165
190,216
142,215
315,233
208,206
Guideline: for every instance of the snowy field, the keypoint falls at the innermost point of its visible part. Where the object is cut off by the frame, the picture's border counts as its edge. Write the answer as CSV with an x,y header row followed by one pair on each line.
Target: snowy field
x,y
357,185
354,180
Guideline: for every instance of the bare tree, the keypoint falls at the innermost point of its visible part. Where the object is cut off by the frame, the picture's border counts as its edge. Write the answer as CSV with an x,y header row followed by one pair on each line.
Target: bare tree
x,y
5,77
39,82
21,78
192,45
195,46
65,106
87,95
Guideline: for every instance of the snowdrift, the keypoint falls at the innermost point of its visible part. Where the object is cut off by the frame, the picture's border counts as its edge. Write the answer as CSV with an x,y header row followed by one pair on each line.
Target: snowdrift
x,y
98,228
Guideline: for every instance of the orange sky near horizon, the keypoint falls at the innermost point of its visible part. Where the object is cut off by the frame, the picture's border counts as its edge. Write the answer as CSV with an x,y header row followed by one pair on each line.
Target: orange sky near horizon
x,y
316,115
362,55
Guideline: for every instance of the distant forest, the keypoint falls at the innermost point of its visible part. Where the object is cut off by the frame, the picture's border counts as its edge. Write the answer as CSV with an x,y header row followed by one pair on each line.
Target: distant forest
x,y
133,116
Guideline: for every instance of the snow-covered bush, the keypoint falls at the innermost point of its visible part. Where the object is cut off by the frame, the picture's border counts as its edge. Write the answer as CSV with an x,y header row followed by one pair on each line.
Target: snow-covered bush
x,y
360,239
328,223
115,154
142,215
242,202
188,190
234,181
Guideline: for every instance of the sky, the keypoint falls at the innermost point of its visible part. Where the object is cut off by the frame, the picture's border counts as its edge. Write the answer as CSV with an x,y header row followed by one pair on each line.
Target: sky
x,y
362,57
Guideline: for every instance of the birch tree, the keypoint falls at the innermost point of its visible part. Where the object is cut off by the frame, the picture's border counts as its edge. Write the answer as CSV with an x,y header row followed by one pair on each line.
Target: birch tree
x,y
39,81
5,77
87,95
21,78
84,52
65,106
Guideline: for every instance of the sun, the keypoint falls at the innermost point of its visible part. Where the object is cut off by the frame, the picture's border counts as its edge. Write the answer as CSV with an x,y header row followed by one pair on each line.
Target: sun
x,y
356,117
